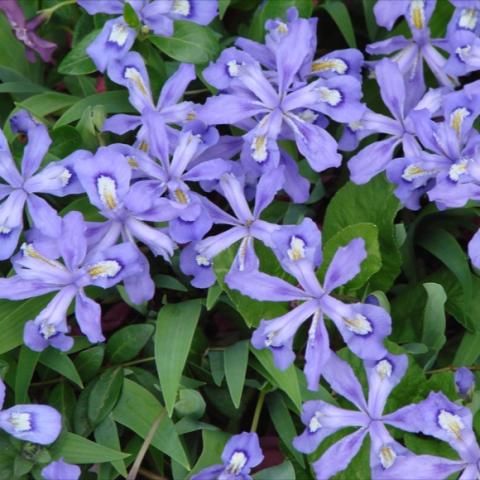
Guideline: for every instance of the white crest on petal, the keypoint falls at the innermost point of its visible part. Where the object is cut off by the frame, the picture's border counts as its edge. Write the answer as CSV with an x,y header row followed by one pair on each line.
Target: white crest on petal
x,y
20,421
132,74
387,456
457,117
359,324
468,18
336,65
458,169
104,269
417,13
314,424
181,7
118,34
202,261
308,115
297,248
384,369
330,95
107,190
259,148
47,329
414,171
451,423
463,53
4,230
233,68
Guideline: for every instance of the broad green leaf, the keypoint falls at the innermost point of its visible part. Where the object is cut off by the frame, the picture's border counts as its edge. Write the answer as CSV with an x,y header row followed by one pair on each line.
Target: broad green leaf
x,y
190,43
176,325
21,87
213,295
105,394
467,352
13,316
63,398
370,21
283,423
222,7
89,361
12,53
217,366
65,141
446,248
76,61
27,361
370,203
60,362
76,449
138,409
236,361
373,262
286,380
127,342
284,471
107,434
113,102
213,444
130,16
46,103
340,15
433,335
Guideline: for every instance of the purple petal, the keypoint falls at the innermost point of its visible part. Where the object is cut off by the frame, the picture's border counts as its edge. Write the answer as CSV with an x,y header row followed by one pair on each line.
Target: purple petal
x,y
175,86
248,444
59,470
88,315
392,86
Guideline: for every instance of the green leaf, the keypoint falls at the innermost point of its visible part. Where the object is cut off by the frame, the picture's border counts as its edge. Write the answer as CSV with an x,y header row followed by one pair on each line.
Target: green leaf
x,y
47,103
284,471
76,449
446,248
190,43
63,398
222,7
89,361
373,262
190,404
13,316
12,53
107,434
370,203
113,102
341,16
236,361
21,87
27,361
213,445
105,394
217,366
370,21
138,409
283,423
467,352
433,335
77,61
127,342
213,295
60,362
130,16
286,380
176,325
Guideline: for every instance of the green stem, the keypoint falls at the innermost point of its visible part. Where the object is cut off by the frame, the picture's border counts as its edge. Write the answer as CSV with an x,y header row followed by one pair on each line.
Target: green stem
x,y
48,12
258,410
452,368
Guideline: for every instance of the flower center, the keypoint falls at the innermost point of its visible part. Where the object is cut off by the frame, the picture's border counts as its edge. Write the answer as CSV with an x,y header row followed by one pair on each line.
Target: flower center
x,y
65,177
237,462
308,115
47,330
282,28
387,456
118,34
468,18
359,324
104,269
21,422
107,189
336,65
4,230
463,53
417,13
181,7
451,423
233,68
297,249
